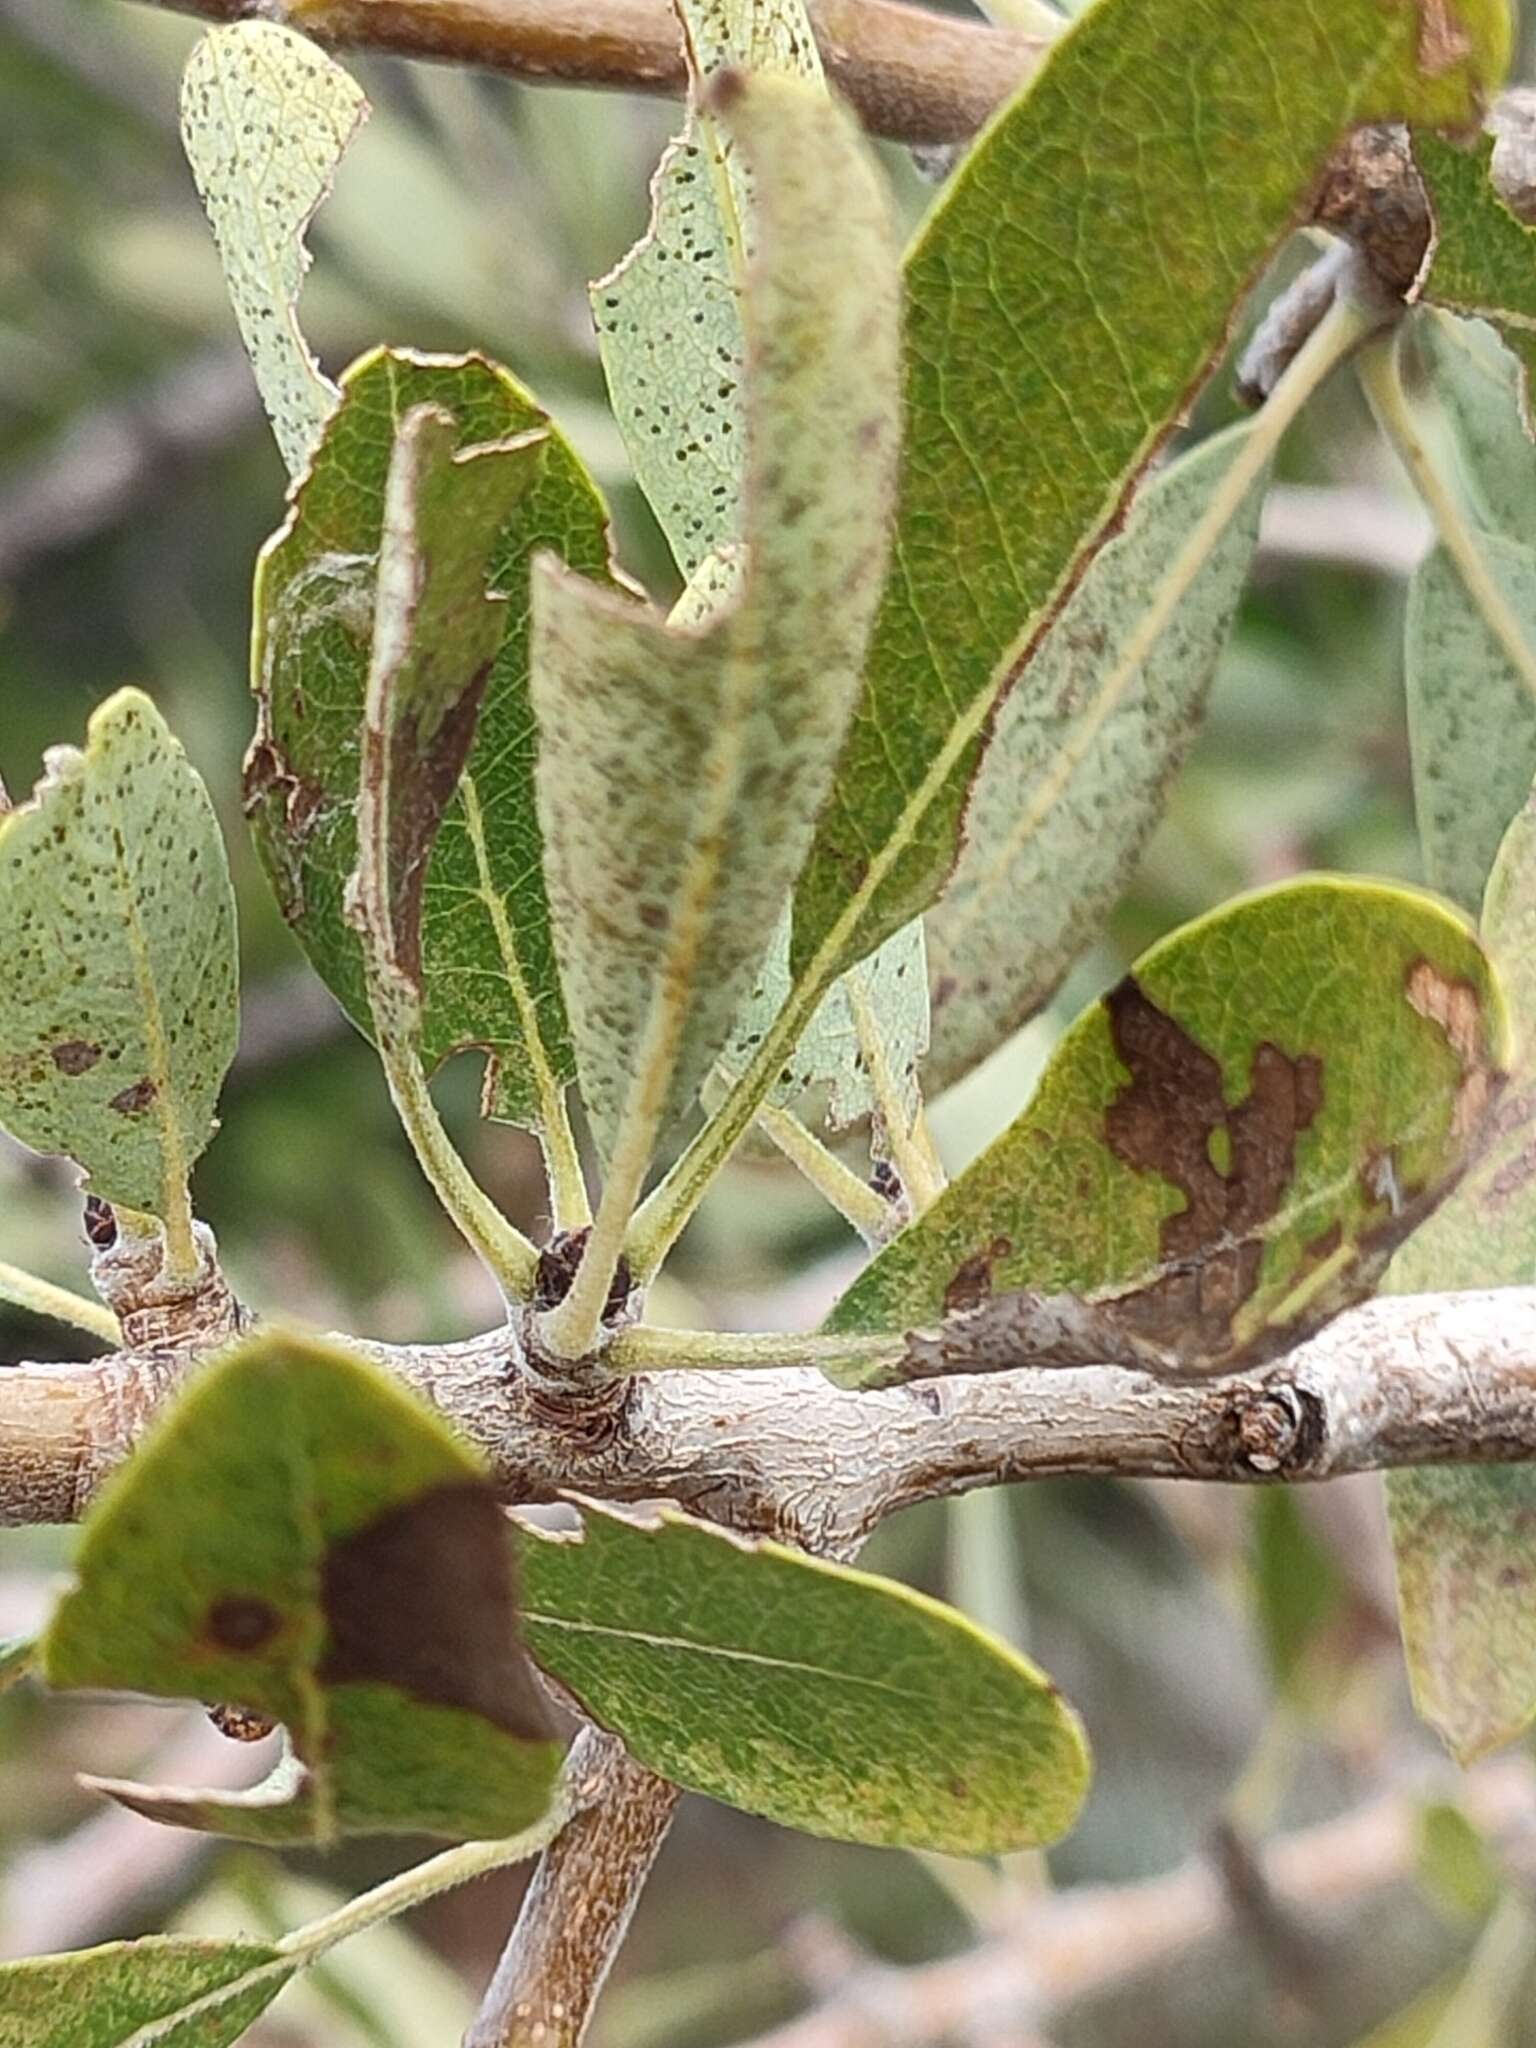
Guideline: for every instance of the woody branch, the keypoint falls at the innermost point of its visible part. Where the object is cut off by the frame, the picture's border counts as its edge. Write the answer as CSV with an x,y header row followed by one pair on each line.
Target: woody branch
x,y
915,76
1422,1380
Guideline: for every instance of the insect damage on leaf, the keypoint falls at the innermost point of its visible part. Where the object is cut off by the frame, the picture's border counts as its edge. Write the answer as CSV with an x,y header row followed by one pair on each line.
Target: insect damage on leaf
x,y
484,916
1202,1178
358,1588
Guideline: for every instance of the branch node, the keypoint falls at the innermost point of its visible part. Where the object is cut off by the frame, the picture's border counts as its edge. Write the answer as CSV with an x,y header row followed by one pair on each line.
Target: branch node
x,y
157,1310
1279,1431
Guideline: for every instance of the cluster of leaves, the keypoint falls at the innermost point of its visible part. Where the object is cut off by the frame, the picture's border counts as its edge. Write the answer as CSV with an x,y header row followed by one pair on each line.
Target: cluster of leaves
x,y
855,806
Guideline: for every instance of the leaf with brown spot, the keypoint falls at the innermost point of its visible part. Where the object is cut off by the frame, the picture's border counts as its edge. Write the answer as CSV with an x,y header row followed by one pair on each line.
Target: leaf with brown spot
x,y
297,1534
436,629
1465,1538
118,1006
487,956
682,762
1222,1154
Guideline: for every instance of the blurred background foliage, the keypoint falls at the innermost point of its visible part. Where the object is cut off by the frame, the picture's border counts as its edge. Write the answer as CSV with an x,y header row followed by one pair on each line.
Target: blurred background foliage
x,y
1232,1659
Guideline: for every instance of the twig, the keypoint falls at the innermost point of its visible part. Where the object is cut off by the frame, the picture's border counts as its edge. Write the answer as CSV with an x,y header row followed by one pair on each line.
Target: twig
x,y
108,461
1407,1380
94,1881
578,1907
1074,1947
915,76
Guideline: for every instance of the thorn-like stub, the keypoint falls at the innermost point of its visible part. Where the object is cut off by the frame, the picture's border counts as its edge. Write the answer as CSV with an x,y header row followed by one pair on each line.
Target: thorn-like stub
x,y
556,1272
100,1224
1279,1432
240,1724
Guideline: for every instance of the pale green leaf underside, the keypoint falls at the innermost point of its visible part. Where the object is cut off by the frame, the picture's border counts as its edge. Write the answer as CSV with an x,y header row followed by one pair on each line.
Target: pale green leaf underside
x,y
1180,187
1471,715
485,916
1077,771
265,117
354,1584
108,1997
681,770
1482,260
118,1006
1221,1175
1466,1552
669,326
830,1055
822,1697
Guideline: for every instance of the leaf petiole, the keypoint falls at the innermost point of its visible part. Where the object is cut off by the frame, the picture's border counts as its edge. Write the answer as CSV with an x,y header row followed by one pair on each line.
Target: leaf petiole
x,y
662,1216
647,1348
410,1888
851,1196
42,1298
1382,382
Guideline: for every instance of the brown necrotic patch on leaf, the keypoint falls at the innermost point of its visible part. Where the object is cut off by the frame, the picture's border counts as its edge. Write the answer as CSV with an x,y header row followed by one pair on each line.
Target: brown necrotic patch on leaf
x,y
137,1096
1443,39
424,771
242,1621
1173,1120
75,1056
423,1599
1458,1010
972,1284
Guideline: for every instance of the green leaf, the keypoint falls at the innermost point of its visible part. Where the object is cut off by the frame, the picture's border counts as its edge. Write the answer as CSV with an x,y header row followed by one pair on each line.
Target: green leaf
x,y
301,1537
1076,774
436,632
1213,1178
892,982
1482,261
118,1015
17,1657
1180,190
266,117
106,1997
1471,713
821,1697
681,768
487,956
669,321
1465,1539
